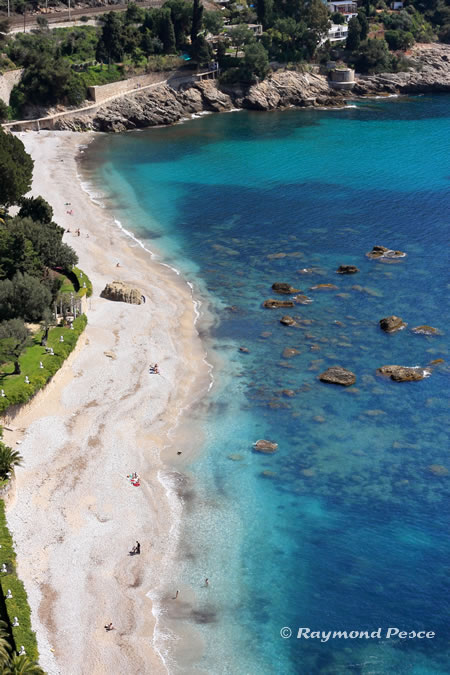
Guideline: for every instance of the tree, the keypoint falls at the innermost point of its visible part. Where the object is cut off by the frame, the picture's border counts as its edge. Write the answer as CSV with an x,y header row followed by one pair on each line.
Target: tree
x,y
22,665
134,13
8,460
201,52
110,44
167,32
4,111
48,320
256,61
17,255
197,15
373,57
444,34
264,11
240,35
16,169
46,241
36,208
354,34
338,18
181,15
13,338
399,39
364,23
213,22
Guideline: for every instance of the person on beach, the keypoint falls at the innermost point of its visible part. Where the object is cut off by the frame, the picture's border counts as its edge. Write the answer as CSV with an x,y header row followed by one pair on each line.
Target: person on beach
x,y
176,595
109,626
206,582
143,298
118,264
138,548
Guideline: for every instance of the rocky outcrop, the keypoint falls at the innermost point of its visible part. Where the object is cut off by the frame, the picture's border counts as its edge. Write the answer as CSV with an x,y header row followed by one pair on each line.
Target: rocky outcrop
x,y
429,72
302,299
267,447
347,269
283,288
291,89
271,303
338,375
391,324
403,373
120,292
383,252
288,320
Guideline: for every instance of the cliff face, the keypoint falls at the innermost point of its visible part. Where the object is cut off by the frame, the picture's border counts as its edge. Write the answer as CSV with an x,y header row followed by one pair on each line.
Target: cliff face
x,y
163,105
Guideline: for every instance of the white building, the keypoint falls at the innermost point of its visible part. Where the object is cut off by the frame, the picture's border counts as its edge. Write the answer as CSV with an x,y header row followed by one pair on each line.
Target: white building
x,y
345,7
337,32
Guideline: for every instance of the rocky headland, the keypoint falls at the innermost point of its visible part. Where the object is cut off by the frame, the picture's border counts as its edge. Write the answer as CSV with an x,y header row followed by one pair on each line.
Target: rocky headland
x,y
162,105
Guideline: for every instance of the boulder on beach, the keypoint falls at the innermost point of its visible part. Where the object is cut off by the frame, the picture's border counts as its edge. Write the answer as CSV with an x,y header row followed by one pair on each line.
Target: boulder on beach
x,y
288,320
403,373
267,447
391,324
338,375
347,269
383,252
283,288
271,303
120,292
426,330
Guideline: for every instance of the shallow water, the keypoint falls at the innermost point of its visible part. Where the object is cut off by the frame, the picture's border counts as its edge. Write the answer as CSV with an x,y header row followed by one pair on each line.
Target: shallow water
x,y
345,526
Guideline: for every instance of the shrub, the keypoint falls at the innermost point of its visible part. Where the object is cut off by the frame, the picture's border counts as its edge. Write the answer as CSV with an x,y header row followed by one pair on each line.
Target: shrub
x,y
399,39
18,604
79,278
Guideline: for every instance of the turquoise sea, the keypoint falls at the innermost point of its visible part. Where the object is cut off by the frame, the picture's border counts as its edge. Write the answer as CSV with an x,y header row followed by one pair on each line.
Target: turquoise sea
x,y
345,527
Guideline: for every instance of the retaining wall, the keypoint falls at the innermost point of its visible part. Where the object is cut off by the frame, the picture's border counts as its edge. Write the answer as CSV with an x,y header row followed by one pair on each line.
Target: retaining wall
x,y
102,92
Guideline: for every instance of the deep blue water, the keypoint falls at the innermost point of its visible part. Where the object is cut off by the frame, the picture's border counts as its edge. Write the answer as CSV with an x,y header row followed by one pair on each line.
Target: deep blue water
x,y
346,526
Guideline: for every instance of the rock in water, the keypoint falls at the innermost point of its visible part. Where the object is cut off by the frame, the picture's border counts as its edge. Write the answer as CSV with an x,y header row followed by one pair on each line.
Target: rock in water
x,y
288,320
438,469
338,375
283,288
403,373
347,269
426,330
274,304
323,287
391,324
289,352
120,292
383,252
267,447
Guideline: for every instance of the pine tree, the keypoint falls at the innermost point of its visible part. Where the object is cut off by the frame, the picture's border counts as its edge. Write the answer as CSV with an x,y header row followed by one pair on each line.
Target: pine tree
x,y
197,16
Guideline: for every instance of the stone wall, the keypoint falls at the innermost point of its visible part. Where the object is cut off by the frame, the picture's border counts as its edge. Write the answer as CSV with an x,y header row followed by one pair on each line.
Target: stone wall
x,y
7,82
102,92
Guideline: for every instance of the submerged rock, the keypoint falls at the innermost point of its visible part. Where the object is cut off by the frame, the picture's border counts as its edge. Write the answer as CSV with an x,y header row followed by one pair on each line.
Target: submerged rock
x,y
323,287
283,288
302,299
288,320
338,375
392,324
267,447
288,392
403,373
120,292
426,330
289,352
383,252
271,303
347,269
244,350
438,469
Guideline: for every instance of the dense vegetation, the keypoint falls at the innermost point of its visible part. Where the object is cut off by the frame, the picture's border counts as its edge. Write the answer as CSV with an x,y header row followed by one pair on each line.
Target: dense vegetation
x,y
60,64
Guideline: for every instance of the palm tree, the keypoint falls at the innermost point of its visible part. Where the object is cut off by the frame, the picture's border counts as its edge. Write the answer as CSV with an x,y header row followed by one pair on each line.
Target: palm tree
x,y
9,459
5,646
22,665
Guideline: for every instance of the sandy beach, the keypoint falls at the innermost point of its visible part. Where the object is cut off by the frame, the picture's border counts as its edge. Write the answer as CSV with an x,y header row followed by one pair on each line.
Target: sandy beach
x,y
73,514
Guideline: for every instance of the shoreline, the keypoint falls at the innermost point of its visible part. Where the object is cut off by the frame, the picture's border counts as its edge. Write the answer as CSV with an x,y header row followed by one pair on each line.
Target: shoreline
x,y
107,418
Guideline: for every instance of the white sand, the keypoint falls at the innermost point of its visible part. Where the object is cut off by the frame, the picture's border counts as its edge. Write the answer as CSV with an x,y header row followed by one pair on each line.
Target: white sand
x,y
74,516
